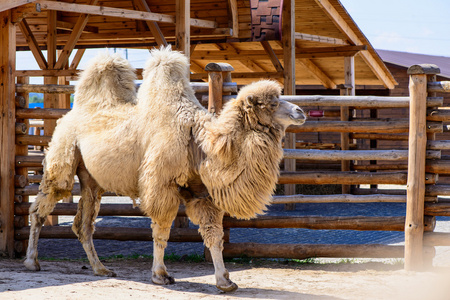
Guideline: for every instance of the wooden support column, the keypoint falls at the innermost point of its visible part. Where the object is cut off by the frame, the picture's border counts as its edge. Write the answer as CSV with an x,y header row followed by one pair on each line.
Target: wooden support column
x,y
288,42
348,89
414,224
183,44
51,100
183,26
7,143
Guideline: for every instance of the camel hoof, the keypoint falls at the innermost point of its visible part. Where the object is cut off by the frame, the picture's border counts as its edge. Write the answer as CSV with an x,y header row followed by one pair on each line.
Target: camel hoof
x,y
32,264
106,273
163,279
229,288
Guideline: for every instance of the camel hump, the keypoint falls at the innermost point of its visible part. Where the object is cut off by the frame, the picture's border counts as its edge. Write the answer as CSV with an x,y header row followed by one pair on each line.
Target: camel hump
x,y
108,80
167,65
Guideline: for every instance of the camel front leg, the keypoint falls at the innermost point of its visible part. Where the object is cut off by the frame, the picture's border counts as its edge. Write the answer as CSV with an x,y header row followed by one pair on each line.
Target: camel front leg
x,y
39,210
161,233
209,218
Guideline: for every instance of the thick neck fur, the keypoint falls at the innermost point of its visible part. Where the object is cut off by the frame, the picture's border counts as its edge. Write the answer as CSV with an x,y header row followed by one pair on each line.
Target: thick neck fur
x,y
242,160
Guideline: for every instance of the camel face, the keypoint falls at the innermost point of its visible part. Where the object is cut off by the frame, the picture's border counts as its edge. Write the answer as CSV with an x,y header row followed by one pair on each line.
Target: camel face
x,y
288,114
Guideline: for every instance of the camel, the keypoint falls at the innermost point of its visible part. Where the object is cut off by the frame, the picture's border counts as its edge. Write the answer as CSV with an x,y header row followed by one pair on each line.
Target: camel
x,y
161,147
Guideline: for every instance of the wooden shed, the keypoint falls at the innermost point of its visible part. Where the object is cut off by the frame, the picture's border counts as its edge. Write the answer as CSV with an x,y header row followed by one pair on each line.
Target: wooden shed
x,y
299,43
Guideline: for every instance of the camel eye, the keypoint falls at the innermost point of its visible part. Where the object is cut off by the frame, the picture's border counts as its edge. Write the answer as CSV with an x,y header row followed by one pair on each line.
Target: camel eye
x,y
274,105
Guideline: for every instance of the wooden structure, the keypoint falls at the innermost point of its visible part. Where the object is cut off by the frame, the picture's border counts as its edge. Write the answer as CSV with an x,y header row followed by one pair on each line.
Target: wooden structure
x,y
335,55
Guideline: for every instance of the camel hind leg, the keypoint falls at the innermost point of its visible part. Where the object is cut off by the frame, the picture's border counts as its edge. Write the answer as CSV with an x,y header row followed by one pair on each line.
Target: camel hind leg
x,y
83,224
201,211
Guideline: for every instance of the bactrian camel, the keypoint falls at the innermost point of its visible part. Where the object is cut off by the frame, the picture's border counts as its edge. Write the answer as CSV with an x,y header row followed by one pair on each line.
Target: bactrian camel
x,y
156,146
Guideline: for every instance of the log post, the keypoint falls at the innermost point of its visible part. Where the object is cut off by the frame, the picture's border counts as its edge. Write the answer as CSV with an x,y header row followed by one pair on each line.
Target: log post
x,y
428,259
414,225
288,43
345,90
7,119
218,73
51,100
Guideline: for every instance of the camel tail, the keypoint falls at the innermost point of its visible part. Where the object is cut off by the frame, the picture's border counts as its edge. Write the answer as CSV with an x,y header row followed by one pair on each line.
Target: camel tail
x,y
108,80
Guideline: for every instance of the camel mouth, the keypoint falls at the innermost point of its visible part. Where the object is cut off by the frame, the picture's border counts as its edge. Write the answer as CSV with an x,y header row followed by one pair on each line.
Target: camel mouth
x,y
298,120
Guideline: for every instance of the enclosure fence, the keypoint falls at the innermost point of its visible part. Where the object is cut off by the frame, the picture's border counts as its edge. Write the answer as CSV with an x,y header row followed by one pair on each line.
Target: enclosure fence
x,y
417,167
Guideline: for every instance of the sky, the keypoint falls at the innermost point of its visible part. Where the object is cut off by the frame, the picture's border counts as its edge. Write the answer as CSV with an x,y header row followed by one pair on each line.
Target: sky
x,y
404,25
400,25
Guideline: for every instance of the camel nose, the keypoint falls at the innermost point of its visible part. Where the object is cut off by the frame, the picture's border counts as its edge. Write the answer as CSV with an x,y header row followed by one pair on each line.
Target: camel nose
x,y
300,112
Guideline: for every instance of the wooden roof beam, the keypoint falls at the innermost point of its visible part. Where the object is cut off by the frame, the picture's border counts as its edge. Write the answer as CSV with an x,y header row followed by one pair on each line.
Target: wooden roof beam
x,y
319,38
342,25
317,72
73,39
32,43
76,60
118,13
273,57
152,25
262,54
332,49
5,5
70,26
234,21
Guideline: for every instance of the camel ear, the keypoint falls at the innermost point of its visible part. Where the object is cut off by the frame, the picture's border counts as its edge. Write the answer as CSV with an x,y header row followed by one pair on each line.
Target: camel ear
x,y
249,101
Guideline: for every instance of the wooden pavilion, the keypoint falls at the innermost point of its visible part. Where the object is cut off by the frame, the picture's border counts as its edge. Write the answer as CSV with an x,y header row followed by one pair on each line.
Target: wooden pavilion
x,y
301,42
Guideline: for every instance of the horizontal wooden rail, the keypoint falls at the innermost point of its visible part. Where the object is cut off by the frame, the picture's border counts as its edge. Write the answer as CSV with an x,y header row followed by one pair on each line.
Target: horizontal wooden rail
x,y
41,113
379,136
295,251
440,114
70,209
111,233
437,190
438,86
327,223
432,239
198,87
32,190
396,126
341,198
381,167
313,154
45,88
348,178
35,140
438,145
438,166
438,209
309,222
358,101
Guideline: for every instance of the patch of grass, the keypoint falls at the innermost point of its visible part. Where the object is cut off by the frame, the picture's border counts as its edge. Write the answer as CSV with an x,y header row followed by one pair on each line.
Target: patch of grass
x,y
172,257
194,258
309,260
244,259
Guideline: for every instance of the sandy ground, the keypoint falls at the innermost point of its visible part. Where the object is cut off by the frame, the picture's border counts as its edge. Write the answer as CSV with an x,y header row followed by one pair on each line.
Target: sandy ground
x,y
361,279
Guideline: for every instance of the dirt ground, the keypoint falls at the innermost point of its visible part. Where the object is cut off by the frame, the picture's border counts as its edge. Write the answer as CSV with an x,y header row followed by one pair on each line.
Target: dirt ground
x,y
360,279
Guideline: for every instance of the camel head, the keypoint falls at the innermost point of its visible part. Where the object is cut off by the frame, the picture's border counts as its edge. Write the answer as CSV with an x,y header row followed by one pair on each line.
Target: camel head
x,y
264,108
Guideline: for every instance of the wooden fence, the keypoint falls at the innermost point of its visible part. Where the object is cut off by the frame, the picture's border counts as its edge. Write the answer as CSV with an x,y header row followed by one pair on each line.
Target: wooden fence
x,y
422,164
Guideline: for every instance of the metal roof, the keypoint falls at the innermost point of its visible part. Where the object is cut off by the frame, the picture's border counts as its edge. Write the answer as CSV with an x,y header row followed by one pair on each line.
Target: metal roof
x,y
406,59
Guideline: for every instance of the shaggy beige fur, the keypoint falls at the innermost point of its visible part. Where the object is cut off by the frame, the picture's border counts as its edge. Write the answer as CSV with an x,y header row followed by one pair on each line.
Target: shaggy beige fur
x,y
146,146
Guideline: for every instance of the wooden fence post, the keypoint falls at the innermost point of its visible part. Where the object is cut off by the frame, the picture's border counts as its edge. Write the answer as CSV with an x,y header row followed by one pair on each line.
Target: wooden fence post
x,y
414,224
218,73
7,127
